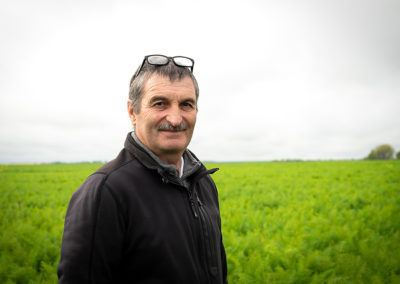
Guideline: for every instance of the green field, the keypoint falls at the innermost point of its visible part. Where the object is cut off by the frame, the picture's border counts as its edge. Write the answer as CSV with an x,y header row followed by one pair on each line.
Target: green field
x,y
283,222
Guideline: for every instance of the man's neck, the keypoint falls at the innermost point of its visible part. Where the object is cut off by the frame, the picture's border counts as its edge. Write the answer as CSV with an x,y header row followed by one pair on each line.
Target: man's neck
x,y
174,159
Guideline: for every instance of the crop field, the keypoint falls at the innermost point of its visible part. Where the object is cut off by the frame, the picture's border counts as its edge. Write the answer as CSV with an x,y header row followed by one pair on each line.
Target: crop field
x,y
283,222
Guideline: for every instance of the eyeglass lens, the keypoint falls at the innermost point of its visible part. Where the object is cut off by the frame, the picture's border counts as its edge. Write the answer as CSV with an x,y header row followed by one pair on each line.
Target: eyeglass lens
x,y
183,61
157,60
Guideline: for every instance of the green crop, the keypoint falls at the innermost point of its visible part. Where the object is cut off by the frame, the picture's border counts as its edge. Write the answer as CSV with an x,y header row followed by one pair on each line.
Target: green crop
x,y
311,222
289,222
33,202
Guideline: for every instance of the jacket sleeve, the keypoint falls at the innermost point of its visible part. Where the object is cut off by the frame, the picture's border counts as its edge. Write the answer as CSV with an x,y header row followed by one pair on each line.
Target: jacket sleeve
x,y
91,248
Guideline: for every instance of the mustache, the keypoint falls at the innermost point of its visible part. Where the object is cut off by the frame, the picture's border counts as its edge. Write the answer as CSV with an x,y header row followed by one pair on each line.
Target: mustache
x,y
169,127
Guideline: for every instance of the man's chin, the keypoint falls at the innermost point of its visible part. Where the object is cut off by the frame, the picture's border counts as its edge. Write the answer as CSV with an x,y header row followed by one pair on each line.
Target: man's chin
x,y
173,141
173,148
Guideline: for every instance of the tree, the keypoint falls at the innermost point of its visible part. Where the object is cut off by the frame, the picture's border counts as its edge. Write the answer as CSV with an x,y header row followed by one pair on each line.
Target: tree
x,y
381,152
398,155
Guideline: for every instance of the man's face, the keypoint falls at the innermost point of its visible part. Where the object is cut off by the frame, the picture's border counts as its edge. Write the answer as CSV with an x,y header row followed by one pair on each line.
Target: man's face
x,y
167,115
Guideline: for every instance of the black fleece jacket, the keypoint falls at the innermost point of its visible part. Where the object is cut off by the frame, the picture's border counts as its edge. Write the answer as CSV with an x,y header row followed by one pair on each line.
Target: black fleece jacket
x,y
135,221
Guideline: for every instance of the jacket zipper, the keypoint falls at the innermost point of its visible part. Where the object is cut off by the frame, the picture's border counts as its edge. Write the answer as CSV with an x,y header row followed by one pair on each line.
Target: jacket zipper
x,y
204,241
189,193
205,228
209,243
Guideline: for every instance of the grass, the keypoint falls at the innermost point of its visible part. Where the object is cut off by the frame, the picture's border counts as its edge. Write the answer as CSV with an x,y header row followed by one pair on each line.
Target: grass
x,y
289,222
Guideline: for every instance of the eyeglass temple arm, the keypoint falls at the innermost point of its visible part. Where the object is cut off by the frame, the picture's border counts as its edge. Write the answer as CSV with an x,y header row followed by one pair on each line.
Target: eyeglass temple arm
x,y
137,71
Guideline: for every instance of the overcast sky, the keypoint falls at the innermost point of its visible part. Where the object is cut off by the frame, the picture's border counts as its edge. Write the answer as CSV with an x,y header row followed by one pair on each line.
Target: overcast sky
x,y
278,79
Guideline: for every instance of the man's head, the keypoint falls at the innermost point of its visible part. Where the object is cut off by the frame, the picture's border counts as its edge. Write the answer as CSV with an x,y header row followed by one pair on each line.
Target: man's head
x,y
162,106
170,70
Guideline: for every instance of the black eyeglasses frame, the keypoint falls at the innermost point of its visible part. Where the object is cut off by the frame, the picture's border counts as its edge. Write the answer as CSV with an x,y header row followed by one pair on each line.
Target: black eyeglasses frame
x,y
170,58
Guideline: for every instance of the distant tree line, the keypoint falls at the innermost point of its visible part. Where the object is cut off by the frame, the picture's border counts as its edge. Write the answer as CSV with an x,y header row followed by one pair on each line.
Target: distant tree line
x,y
383,152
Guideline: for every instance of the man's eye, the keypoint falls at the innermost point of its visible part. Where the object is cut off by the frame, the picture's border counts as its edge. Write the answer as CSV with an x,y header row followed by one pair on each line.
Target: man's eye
x,y
158,104
187,105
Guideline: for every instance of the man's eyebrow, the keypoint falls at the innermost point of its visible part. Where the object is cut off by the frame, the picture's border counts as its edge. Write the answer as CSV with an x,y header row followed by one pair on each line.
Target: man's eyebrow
x,y
163,98
189,100
158,98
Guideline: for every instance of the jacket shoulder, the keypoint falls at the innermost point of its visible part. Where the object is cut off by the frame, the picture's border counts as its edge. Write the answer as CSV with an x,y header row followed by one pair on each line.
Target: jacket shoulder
x,y
124,157
94,183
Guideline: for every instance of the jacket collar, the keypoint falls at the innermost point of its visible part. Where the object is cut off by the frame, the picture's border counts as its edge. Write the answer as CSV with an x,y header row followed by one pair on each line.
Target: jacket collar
x,y
151,161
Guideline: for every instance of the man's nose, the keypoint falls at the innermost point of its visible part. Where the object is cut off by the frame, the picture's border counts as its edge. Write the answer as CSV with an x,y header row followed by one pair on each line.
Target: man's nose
x,y
174,116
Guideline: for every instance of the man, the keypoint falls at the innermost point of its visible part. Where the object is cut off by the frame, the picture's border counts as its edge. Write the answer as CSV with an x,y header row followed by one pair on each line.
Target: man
x,y
150,215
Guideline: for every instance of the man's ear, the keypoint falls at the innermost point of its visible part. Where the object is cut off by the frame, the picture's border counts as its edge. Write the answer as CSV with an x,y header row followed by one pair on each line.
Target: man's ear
x,y
131,113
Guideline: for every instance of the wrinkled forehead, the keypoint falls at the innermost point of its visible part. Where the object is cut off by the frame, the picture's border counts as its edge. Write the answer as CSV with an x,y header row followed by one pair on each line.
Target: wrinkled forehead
x,y
162,85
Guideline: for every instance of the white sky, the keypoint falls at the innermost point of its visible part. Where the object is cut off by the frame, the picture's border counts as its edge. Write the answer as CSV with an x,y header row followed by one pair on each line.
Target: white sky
x,y
278,79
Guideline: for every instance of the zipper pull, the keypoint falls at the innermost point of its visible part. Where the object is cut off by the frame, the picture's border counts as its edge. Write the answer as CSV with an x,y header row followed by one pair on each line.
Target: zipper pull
x,y
193,207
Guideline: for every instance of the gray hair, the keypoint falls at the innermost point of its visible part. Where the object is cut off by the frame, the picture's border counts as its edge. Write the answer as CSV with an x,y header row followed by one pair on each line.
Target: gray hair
x,y
170,70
